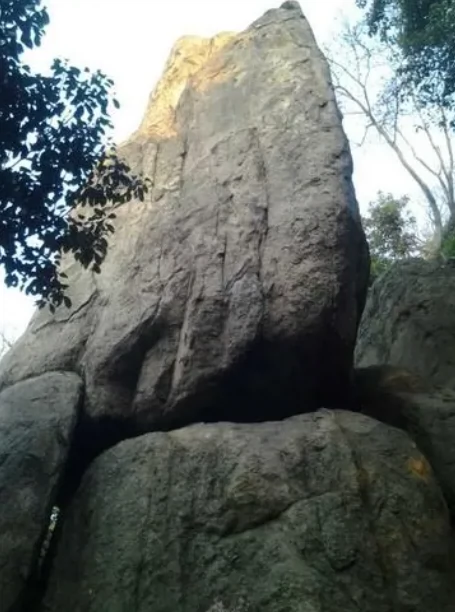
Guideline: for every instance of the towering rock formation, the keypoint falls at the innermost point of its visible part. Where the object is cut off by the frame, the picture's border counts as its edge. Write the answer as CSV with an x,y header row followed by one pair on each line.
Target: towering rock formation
x,y
235,289
233,292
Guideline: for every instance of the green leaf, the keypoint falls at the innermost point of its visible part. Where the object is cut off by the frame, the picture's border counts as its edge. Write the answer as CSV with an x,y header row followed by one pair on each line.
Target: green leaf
x,y
54,126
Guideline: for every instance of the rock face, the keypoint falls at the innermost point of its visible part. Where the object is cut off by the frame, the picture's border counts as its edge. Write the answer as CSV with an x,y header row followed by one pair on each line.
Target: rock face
x,y
37,419
404,400
235,290
328,511
232,293
409,321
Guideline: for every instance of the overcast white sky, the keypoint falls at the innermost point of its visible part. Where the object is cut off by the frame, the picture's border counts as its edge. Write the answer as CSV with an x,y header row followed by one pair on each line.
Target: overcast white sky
x,y
130,40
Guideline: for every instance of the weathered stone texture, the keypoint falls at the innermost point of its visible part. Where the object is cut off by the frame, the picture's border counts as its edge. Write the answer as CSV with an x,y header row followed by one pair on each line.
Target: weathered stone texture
x,y
328,511
233,293
402,399
243,274
37,419
409,321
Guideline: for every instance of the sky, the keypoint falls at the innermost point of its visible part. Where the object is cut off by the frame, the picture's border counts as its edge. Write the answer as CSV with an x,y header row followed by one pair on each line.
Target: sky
x,y
130,41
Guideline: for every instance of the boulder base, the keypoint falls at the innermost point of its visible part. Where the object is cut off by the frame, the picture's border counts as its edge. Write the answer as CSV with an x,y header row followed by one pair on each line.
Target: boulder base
x,y
329,511
37,420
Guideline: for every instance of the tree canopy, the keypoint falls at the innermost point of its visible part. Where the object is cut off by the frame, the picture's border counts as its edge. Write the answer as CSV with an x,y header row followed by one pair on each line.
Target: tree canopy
x,y
391,232
425,32
60,174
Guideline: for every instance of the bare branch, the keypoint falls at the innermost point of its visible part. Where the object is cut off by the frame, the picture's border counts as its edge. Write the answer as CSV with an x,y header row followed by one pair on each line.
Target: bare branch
x,y
420,160
451,168
361,60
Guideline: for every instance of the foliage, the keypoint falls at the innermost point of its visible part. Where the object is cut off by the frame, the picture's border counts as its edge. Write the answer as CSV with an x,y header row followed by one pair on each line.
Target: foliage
x,y
425,32
391,232
55,153
448,245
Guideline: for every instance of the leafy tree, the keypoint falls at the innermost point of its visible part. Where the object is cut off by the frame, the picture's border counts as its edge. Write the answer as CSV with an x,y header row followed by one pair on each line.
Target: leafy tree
x,y
60,175
425,32
391,232
447,250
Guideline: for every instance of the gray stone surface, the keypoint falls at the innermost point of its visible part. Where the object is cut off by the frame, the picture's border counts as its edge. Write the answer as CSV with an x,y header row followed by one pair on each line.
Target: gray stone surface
x,y
402,399
330,511
243,274
37,418
409,321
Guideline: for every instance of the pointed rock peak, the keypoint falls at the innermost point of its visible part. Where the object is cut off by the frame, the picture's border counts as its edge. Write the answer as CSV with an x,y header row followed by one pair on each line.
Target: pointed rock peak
x,y
234,291
201,62
187,57
291,5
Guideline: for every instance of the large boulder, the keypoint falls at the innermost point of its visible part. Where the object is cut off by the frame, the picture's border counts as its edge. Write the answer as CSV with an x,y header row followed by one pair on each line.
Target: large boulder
x,y
37,420
402,399
235,289
409,321
327,511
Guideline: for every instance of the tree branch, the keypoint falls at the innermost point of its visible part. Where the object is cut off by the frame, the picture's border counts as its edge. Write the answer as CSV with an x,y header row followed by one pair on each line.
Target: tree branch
x,y
351,84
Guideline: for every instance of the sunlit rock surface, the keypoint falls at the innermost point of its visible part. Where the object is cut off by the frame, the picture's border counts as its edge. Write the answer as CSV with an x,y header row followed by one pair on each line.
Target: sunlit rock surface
x,y
234,291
